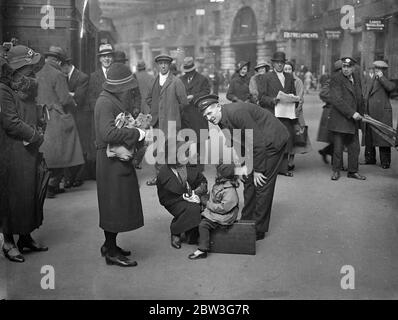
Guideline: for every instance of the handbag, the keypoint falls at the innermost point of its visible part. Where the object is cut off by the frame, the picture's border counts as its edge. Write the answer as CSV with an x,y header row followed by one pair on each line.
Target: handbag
x,y
301,136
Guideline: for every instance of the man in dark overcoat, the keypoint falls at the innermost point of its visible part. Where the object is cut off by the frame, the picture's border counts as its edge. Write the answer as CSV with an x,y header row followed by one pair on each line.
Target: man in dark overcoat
x,y
268,145
78,88
347,106
97,79
196,86
167,99
119,199
269,86
378,106
61,147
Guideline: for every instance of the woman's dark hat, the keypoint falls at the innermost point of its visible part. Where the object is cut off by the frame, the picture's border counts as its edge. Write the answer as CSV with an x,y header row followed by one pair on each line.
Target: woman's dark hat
x,y
279,56
58,53
204,102
141,65
119,56
119,78
163,57
20,56
241,64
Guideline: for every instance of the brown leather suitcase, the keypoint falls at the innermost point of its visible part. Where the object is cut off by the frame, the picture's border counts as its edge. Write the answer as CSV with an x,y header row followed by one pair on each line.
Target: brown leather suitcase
x,y
240,238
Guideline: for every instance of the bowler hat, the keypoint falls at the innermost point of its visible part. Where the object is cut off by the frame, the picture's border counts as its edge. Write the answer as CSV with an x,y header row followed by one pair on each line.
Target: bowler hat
x,y
163,57
380,64
226,171
348,61
279,56
19,56
141,65
119,56
188,64
105,49
119,78
202,103
241,64
57,52
262,65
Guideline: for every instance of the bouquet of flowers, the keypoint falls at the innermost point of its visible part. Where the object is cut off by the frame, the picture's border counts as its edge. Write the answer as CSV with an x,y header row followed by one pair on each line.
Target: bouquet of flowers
x,y
126,120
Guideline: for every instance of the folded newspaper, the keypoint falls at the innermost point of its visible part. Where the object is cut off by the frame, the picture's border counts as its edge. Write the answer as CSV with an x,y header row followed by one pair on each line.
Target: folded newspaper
x,y
386,132
126,120
286,107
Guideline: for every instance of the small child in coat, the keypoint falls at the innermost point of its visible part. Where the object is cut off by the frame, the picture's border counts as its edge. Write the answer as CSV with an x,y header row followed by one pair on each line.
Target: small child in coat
x,y
221,210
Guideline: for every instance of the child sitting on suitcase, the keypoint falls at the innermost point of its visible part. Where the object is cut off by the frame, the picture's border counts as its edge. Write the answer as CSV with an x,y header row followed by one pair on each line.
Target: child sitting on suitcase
x,y
221,210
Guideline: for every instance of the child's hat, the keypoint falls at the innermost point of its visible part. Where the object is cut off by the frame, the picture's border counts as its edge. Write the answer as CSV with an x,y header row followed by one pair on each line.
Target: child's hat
x,y
226,170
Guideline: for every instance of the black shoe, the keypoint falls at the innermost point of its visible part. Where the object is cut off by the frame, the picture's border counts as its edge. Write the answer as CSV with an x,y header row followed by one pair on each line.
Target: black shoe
x,y
17,257
77,183
194,256
324,156
50,195
31,246
356,175
287,174
68,184
385,166
368,163
260,236
125,253
120,261
335,176
291,168
175,242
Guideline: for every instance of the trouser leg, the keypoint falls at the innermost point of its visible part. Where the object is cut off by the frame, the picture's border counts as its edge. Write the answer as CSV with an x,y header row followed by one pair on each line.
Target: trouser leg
x,y
55,177
385,155
338,144
249,195
328,149
205,227
353,148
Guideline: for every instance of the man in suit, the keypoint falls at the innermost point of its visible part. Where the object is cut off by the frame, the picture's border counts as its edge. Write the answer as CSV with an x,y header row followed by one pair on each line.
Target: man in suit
x,y
347,105
166,101
269,85
97,78
196,86
78,86
268,145
378,106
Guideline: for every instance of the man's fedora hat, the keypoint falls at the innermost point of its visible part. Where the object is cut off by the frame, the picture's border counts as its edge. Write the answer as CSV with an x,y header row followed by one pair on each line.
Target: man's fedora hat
x,y
163,57
119,56
348,61
20,56
279,56
141,65
241,64
105,49
119,78
202,103
380,64
262,65
57,52
188,64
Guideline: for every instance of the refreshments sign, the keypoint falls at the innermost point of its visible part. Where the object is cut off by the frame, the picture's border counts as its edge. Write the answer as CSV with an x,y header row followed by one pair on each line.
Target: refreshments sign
x,y
375,24
300,35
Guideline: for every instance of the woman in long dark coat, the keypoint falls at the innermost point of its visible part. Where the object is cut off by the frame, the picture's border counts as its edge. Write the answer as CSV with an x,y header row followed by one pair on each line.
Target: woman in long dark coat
x,y
238,89
24,135
119,197
175,180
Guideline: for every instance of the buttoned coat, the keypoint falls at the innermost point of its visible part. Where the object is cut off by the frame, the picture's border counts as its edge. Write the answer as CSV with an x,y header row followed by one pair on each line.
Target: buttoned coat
x,y
191,117
378,105
269,134
61,147
238,89
172,101
345,99
119,197
95,83
20,121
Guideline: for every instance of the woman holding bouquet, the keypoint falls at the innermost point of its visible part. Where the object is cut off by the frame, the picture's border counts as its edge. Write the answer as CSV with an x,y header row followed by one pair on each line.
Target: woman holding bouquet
x,y
119,198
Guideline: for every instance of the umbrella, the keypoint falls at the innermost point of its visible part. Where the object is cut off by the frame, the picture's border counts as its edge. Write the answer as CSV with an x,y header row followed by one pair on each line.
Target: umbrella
x,y
43,176
386,132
